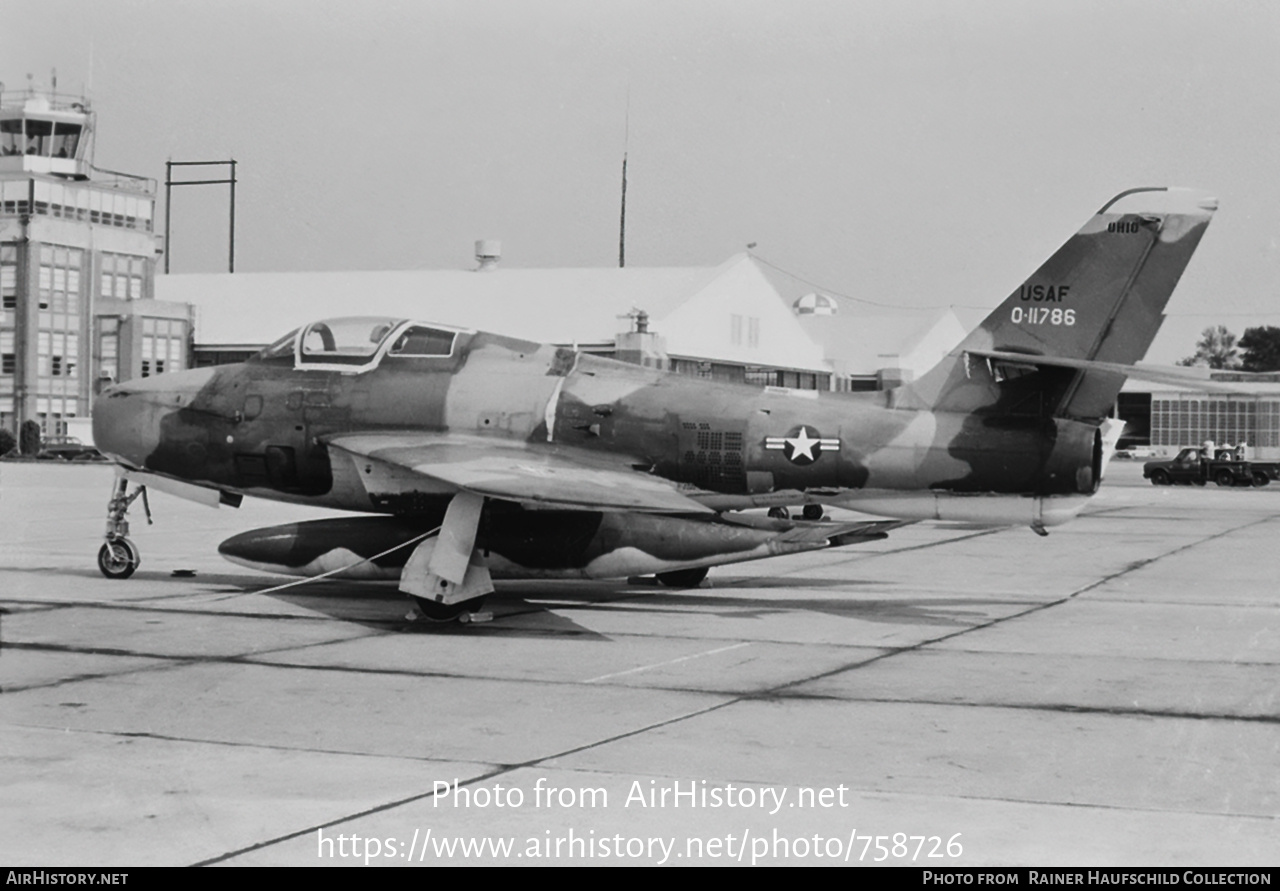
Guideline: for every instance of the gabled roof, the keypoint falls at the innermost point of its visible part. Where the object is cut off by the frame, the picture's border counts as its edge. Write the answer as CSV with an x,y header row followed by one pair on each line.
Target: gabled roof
x,y
737,316
551,305
862,336
866,339
693,308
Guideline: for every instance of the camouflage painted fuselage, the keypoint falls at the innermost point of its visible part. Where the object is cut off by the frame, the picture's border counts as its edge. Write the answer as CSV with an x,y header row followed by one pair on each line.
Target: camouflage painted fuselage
x,y
261,428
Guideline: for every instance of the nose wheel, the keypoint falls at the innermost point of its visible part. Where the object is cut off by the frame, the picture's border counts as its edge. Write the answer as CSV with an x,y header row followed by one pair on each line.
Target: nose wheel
x,y
118,557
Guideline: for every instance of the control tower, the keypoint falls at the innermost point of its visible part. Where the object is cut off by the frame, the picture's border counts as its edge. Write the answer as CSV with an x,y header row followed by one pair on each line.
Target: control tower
x,y
77,267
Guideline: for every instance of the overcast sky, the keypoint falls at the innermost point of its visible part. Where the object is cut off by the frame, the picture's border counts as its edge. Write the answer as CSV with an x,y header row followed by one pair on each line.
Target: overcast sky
x,y
913,153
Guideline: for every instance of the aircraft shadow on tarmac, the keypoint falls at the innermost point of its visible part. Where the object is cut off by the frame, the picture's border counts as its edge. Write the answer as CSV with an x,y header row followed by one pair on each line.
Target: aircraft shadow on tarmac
x,y
542,608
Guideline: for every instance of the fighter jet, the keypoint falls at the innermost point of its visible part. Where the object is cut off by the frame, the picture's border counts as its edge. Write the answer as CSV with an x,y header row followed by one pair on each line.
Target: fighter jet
x,y
485,456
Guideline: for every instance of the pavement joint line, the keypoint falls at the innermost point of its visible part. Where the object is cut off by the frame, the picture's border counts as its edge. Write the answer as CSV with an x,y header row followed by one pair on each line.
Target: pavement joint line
x,y
171,662
888,794
91,676
500,771
1060,708
162,737
1132,567
1089,657
169,610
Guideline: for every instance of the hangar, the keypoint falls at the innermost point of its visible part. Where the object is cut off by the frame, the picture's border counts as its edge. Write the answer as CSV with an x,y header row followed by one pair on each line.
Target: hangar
x,y
1166,418
733,322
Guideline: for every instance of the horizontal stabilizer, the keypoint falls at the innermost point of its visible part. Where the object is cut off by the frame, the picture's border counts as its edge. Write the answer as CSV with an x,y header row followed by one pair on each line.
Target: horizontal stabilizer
x,y
1173,375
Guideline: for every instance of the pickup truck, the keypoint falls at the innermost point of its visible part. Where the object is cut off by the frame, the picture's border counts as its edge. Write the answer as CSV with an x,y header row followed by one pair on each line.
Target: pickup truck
x,y
1188,468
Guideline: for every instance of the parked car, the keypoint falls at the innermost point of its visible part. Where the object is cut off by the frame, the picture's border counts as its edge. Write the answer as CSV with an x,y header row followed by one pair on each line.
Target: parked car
x,y
1190,468
67,448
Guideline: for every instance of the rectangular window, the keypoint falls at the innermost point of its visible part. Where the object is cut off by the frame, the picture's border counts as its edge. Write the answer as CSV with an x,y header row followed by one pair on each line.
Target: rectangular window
x,y
107,347
8,363
753,331
43,351
735,330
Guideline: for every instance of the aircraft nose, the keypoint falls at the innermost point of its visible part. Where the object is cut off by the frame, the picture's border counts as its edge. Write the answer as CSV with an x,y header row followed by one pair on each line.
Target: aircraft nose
x,y
127,416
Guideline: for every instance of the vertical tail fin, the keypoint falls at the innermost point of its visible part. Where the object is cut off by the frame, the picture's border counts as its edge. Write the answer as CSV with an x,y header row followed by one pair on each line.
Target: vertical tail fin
x,y
1100,297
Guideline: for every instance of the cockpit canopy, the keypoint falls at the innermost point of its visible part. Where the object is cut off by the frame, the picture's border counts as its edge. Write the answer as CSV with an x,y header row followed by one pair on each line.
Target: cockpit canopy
x,y
359,343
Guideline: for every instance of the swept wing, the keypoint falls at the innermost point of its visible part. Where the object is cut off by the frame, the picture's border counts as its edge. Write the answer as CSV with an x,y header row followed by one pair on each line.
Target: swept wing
x,y
561,476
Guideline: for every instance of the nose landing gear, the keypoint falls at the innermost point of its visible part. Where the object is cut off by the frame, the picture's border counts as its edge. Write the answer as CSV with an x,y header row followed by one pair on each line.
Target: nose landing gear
x,y
118,557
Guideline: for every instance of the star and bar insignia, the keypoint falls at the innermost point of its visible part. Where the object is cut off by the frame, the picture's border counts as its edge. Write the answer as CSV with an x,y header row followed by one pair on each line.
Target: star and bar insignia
x,y
803,445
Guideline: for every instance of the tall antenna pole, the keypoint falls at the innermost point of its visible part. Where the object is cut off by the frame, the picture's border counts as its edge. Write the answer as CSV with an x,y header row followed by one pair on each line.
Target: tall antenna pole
x,y
622,225
622,231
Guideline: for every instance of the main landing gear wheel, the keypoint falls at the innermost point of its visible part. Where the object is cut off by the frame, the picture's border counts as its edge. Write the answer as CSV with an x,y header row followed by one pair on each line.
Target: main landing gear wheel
x,y
118,559
779,513
463,611
813,512
683,578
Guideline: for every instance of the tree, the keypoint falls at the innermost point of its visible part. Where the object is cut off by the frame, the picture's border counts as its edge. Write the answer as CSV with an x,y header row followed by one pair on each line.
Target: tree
x,y
1261,348
1216,349
29,438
